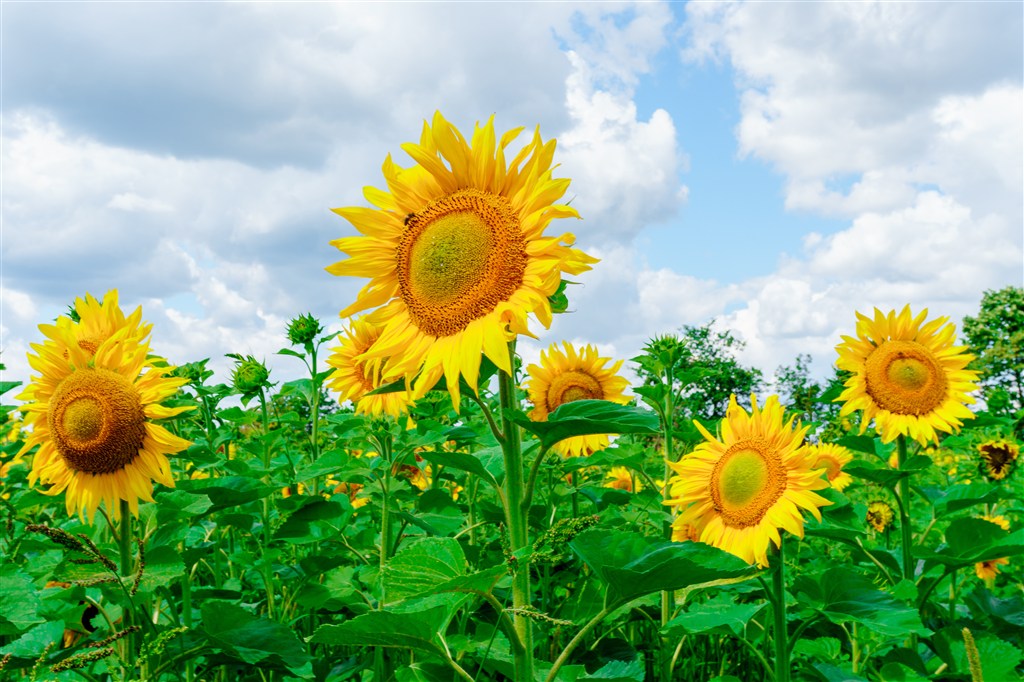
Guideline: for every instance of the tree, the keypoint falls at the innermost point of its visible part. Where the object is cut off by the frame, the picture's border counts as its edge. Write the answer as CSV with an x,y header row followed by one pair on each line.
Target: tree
x,y
996,337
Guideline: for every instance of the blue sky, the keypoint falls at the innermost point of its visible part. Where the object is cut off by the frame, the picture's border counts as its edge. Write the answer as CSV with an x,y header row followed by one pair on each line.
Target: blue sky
x,y
773,166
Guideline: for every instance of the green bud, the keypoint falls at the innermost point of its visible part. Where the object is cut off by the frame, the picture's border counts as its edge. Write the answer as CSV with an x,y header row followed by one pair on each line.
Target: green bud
x,y
250,375
303,329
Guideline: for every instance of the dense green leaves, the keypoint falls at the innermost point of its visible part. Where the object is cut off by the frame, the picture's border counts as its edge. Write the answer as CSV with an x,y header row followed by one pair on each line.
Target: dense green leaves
x,y
842,595
586,417
236,632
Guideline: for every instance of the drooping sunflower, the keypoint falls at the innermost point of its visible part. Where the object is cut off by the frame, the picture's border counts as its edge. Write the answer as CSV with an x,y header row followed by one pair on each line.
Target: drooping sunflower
x,y
740,490
907,375
880,515
998,458
565,376
355,375
456,253
832,458
92,410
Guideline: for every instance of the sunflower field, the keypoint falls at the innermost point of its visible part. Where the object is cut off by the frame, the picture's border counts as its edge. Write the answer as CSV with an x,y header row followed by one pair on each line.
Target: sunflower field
x,y
425,505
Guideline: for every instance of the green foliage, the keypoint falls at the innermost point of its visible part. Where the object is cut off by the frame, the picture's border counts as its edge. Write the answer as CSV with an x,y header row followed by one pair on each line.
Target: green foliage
x,y
996,337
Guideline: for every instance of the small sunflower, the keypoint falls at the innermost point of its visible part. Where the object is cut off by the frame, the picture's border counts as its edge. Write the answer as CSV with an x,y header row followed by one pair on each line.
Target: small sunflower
x,y
988,570
999,520
456,253
907,375
621,478
832,458
740,490
880,515
355,375
998,459
91,411
565,376
684,532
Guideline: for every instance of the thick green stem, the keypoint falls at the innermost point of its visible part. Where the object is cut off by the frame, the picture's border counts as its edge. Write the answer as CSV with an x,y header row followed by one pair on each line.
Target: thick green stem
x,y
268,572
667,596
380,664
186,615
779,611
314,416
128,619
904,504
517,513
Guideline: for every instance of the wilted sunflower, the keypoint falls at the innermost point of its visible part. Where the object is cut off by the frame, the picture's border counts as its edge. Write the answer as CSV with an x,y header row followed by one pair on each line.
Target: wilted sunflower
x,y
355,375
880,515
998,459
832,458
740,490
456,253
907,375
91,411
562,377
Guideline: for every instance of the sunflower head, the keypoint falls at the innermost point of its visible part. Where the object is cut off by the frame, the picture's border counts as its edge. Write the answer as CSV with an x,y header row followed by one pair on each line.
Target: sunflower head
x,y
880,515
92,410
456,253
621,478
832,458
740,488
997,459
566,374
988,570
355,375
907,375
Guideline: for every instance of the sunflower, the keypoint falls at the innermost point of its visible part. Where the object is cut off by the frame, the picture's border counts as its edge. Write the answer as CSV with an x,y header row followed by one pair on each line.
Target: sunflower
x,y
91,411
456,253
740,490
988,570
998,459
621,478
354,375
880,515
684,532
832,458
907,375
563,377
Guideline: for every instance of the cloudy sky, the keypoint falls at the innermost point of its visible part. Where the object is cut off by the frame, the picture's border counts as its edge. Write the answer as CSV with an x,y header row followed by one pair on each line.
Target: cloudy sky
x,y
776,166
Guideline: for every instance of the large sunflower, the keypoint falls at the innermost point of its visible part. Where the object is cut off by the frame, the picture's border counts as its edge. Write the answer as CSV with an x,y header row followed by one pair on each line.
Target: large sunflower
x,y
456,253
907,375
740,490
563,377
354,375
91,410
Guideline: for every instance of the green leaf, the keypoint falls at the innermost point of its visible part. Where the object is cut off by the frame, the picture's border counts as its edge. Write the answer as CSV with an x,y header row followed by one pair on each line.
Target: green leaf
x,y
843,595
959,497
858,444
461,461
822,648
970,540
422,565
229,491
618,671
18,601
252,640
411,630
633,565
31,644
316,519
998,658
712,616
587,417
8,385
163,566
883,474
177,505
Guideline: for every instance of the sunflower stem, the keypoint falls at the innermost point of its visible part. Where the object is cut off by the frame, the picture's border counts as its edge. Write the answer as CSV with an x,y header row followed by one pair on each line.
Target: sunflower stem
x,y
667,596
904,503
268,572
125,546
517,516
779,611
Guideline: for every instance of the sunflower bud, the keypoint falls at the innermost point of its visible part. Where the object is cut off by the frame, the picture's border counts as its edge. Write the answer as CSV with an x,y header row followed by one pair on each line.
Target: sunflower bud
x,y
880,515
250,375
667,350
303,329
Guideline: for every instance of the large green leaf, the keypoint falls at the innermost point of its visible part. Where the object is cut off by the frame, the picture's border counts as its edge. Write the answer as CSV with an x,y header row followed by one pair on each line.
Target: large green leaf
x,y
634,565
31,644
618,671
177,505
884,475
463,462
970,540
587,417
411,630
229,491
717,615
842,595
423,565
957,497
18,601
241,635
315,520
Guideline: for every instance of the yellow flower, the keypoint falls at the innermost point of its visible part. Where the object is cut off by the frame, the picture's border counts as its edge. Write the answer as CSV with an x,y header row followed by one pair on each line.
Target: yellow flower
x,y
998,458
91,411
621,478
740,490
832,458
987,570
456,253
880,515
353,490
563,377
907,375
999,521
684,532
355,375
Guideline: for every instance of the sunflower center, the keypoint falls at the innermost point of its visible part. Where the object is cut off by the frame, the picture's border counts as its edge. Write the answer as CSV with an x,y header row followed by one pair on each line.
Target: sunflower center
x,y
746,482
96,420
904,377
458,258
573,385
